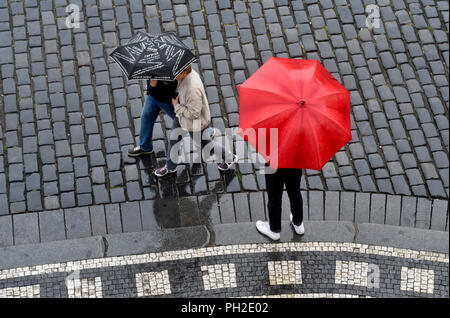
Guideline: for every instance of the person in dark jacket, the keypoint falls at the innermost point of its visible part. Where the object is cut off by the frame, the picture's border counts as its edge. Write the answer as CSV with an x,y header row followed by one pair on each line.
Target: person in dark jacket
x,y
275,183
159,97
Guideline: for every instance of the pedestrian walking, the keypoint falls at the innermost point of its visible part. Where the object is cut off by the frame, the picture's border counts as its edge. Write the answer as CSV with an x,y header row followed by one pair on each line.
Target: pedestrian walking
x,y
159,97
275,183
193,115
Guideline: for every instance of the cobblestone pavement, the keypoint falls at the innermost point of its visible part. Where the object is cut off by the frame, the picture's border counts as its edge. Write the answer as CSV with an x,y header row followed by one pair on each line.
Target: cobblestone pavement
x,y
269,270
68,115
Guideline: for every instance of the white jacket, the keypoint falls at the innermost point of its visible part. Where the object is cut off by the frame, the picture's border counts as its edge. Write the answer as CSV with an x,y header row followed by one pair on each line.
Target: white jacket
x,y
192,109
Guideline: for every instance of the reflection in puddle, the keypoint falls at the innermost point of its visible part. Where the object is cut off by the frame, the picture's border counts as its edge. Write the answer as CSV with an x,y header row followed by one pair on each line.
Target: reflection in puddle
x,y
167,212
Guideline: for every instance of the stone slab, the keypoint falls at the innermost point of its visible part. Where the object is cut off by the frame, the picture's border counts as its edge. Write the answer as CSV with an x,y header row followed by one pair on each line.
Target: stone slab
x,y
315,231
51,252
157,241
403,237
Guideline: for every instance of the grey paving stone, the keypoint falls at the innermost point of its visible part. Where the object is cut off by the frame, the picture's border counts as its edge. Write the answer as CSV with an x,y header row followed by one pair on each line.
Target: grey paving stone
x,y
353,210
316,205
423,213
378,208
393,209
362,207
408,213
51,226
227,214
100,194
131,217
400,185
78,222
241,206
113,218
26,228
6,231
436,188
189,211
34,202
98,219
257,209
148,209
4,206
439,215
332,206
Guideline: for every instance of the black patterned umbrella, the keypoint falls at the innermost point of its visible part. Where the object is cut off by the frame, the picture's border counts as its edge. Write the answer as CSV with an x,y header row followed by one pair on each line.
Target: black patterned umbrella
x,y
148,56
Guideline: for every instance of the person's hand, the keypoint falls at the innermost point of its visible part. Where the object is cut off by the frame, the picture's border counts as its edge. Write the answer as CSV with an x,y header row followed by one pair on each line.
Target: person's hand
x,y
175,101
153,83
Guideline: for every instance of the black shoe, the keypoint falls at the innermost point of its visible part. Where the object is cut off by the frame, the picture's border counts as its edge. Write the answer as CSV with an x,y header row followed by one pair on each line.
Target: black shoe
x,y
138,152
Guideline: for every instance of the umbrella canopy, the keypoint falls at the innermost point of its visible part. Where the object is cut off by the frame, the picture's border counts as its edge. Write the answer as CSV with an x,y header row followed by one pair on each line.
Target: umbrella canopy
x,y
309,108
148,56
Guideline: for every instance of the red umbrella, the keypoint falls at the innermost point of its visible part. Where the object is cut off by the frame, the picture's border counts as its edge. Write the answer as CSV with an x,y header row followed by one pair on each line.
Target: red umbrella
x,y
309,108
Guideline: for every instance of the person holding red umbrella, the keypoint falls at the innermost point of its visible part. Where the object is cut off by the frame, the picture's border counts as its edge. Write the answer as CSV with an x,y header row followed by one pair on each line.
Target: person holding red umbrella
x,y
310,111
275,181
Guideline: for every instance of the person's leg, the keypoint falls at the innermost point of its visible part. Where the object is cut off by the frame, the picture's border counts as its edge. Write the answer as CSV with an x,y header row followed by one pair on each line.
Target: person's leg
x,y
168,109
292,179
274,185
149,115
171,143
227,157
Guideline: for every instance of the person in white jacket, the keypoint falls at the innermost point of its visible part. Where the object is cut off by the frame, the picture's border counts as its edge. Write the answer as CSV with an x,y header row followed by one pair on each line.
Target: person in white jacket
x,y
193,115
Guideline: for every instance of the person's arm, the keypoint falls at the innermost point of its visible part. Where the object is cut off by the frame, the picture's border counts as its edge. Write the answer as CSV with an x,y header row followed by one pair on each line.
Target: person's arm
x,y
192,107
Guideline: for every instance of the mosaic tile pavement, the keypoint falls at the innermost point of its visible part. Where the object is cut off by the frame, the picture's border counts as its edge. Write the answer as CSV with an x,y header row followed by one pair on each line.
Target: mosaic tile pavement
x,y
284,270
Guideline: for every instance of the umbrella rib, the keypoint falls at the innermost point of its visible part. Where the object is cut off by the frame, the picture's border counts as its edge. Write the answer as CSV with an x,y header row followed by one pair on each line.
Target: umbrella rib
x,y
271,117
328,94
316,66
292,81
313,133
276,94
329,118
134,65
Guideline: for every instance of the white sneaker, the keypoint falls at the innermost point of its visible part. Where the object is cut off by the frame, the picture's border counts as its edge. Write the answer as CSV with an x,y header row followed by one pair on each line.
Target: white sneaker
x,y
299,229
264,228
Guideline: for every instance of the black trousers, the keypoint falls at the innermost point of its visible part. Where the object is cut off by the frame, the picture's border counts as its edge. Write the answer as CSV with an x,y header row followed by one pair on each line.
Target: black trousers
x,y
274,184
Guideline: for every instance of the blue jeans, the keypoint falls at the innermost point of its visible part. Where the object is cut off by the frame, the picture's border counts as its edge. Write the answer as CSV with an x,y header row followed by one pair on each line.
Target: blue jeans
x,y
150,113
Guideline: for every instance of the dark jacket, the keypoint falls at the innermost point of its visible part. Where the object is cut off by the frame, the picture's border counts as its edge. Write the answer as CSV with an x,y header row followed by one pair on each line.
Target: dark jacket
x,y
163,92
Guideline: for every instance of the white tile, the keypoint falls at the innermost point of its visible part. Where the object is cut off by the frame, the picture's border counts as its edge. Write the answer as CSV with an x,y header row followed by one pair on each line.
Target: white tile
x,y
285,272
219,276
351,273
417,280
153,283
30,291
84,288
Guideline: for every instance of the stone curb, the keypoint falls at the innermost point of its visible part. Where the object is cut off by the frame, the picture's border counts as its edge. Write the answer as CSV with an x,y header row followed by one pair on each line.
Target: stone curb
x,y
224,234
51,252
343,232
156,241
103,246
